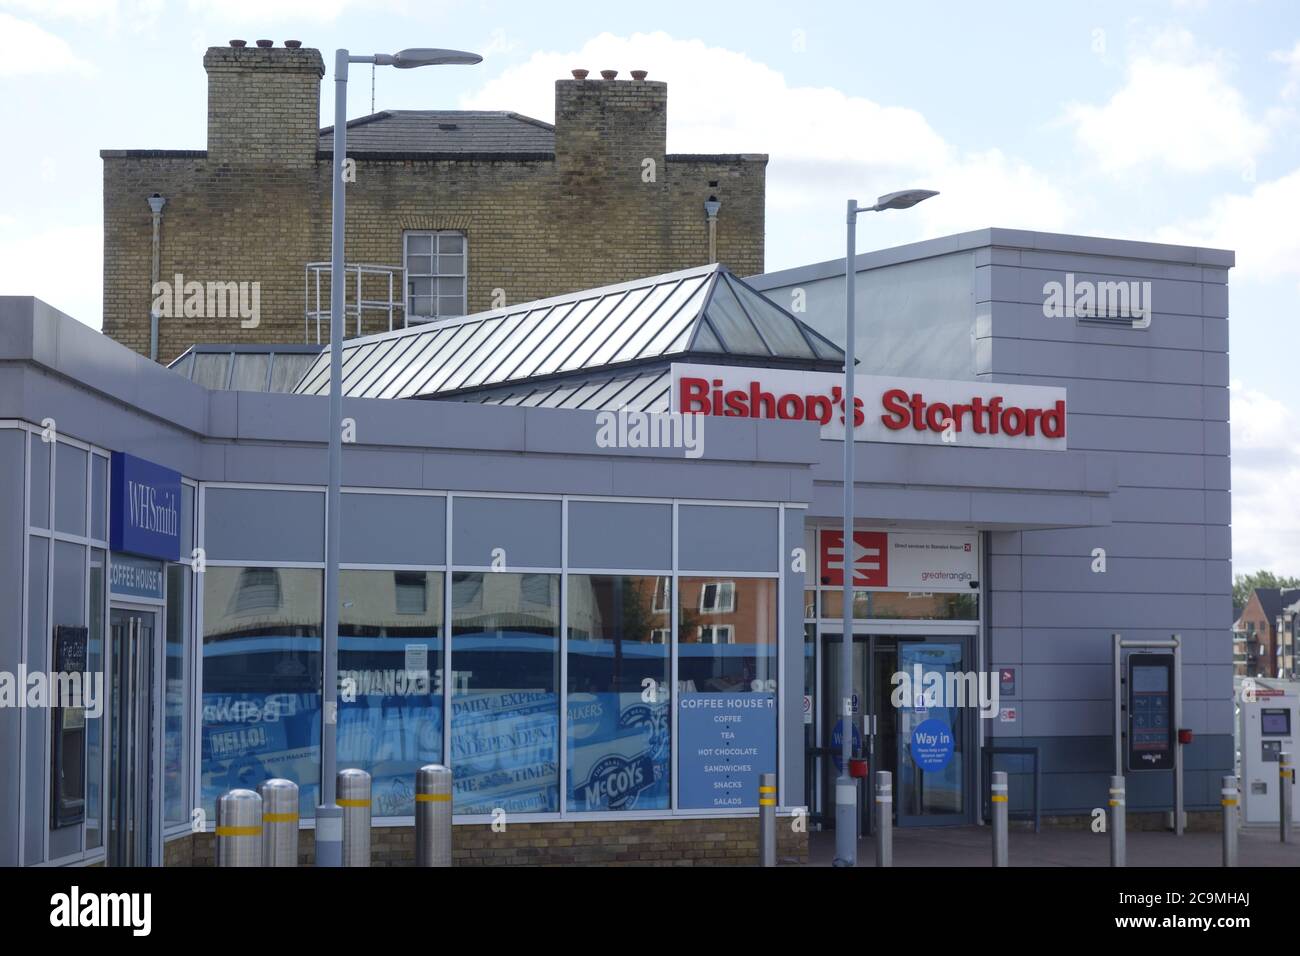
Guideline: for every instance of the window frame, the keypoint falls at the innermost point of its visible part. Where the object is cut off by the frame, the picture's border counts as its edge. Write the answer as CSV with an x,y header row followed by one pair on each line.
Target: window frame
x,y
721,589
408,295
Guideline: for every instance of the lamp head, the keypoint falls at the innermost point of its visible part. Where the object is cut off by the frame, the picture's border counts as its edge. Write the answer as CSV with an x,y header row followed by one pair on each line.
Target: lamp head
x,y
904,199
426,56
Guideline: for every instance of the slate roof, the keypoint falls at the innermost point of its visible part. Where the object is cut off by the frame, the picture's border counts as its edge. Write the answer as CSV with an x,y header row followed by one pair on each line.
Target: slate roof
x,y
705,312
444,131
1272,600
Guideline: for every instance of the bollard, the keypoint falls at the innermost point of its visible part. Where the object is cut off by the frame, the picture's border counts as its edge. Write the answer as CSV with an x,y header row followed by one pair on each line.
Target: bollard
x,y
354,797
1286,779
1229,801
884,818
239,829
328,837
1118,822
433,816
998,797
279,822
767,819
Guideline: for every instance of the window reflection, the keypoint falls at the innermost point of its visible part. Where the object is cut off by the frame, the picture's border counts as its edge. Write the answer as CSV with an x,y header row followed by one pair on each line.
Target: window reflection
x,y
390,665
505,693
726,634
619,671
261,680
726,670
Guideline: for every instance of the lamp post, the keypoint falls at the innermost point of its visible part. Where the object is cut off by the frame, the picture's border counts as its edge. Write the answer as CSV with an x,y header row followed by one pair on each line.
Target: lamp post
x,y
846,791
329,836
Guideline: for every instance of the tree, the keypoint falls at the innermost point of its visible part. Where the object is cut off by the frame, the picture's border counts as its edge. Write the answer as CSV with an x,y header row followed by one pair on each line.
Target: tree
x,y
1244,584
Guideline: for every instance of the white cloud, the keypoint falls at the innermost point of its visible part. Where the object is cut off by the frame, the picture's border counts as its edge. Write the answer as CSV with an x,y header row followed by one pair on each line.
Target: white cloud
x,y
1265,476
36,264
261,12
824,145
1292,60
26,49
1177,110
64,9
1259,226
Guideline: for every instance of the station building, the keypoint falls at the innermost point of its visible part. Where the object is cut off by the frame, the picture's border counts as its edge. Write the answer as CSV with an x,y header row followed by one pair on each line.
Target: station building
x,y
607,626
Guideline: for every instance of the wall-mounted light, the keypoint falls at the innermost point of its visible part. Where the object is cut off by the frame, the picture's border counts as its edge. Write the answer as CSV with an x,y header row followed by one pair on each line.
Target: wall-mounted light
x,y
711,207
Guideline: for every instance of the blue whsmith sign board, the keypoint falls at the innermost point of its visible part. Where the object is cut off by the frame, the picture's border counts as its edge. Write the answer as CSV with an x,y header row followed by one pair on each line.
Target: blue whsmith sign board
x,y
145,516
726,740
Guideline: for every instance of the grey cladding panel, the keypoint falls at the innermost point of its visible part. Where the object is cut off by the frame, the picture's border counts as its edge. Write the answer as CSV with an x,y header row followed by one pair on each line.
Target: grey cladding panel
x,y
617,534
527,530
262,525
714,538
393,529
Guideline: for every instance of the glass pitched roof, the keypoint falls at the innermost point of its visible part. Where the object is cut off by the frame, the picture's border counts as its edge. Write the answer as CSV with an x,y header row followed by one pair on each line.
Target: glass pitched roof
x,y
705,310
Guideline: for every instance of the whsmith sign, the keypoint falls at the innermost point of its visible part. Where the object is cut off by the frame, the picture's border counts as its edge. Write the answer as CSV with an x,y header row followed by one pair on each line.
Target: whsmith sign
x,y
913,411
145,517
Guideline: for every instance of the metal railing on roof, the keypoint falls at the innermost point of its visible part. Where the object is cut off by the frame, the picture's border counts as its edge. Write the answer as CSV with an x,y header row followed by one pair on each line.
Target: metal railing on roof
x,y
358,271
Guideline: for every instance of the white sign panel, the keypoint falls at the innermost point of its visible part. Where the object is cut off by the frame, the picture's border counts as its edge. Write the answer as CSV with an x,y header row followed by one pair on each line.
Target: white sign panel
x,y
918,561
912,411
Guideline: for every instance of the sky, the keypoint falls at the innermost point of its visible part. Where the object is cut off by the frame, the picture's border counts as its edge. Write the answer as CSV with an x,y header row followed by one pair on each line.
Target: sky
x,y
1164,120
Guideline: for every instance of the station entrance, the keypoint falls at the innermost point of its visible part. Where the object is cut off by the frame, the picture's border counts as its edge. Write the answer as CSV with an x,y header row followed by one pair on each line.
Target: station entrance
x,y
886,713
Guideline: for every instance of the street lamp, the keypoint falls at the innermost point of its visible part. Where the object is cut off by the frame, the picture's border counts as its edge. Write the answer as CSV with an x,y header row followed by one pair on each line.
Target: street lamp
x,y
846,792
329,829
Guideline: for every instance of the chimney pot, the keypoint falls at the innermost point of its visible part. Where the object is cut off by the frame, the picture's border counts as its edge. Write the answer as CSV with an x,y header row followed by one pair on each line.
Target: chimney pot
x,y
266,44
239,44
639,75
292,44
580,74
609,74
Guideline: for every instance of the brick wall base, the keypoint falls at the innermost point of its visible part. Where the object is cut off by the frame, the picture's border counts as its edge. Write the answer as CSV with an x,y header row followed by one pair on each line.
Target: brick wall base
x,y
708,842
1198,821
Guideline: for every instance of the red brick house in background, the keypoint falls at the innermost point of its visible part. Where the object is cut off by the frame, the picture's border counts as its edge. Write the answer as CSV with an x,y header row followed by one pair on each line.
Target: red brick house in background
x,y
1260,651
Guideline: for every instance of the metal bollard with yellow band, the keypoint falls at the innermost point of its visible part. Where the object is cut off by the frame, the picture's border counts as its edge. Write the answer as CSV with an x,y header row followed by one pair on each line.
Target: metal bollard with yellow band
x,y
353,789
1118,822
433,805
1229,794
767,819
279,822
998,799
239,829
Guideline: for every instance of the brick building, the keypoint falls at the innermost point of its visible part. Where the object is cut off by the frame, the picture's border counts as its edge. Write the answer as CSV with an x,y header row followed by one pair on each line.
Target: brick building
x,y
1264,651
480,208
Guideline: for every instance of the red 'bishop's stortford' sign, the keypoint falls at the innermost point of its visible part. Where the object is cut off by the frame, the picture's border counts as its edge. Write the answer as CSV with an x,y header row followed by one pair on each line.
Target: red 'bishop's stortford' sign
x,y
901,410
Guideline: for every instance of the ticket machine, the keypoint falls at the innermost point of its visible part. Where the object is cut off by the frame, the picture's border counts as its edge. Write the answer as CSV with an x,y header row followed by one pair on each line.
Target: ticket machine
x,y
1270,725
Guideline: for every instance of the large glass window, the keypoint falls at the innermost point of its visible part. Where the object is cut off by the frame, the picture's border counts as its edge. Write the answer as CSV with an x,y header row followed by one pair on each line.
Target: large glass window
x,y
261,680
94,724
727,686
390,665
619,674
505,691
904,605
175,805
